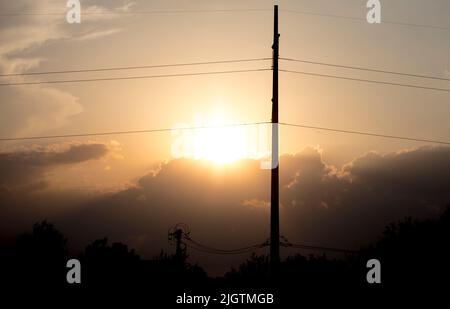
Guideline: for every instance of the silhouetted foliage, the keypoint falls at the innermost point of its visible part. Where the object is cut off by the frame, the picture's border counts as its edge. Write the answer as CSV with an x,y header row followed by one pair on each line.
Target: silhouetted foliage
x,y
253,272
297,270
105,264
37,258
412,253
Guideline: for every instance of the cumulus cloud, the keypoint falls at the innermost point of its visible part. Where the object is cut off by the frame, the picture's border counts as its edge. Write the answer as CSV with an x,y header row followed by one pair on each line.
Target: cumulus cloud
x,y
35,109
412,173
31,110
351,205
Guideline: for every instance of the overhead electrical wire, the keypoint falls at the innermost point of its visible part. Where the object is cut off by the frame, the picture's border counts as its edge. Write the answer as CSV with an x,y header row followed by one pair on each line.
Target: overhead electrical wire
x,y
91,134
135,67
365,69
156,12
308,247
367,133
199,246
222,62
365,80
383,21
216,252
284,243
214,73
23,83
130,132
129,77
181,232
144,12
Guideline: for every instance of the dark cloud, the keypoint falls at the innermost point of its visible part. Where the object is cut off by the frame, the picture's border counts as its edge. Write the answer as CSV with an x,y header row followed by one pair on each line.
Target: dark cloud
x,y
423,172
227,207
27,168
350,206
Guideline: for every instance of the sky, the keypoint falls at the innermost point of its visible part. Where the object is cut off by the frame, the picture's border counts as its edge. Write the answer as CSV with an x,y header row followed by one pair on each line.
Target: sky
x,y
122,186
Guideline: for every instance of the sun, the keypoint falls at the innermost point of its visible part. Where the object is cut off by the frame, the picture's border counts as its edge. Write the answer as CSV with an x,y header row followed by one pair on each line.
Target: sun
x,y
221,144
217,139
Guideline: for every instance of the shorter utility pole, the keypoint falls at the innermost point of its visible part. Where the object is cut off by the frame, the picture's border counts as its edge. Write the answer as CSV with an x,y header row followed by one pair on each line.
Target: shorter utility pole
x,y
178,234
180,247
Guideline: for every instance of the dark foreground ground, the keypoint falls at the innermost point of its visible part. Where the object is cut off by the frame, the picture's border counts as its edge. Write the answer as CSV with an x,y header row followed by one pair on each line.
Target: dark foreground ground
x,y
414,256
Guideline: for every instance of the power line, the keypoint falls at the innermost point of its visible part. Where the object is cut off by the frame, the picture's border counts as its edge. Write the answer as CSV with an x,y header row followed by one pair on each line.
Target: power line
x,y
129,132
366,80
129,77
156,12
364,20
12,14
367,133
366,69
223,251
181,231
224,126
218,72
203,248
217,252
300,246
185,235
136,67
286,243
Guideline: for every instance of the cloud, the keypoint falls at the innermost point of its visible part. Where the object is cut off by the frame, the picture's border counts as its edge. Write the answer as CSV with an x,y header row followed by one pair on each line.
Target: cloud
x,y
351,205
92,35
35,109
421,172
107,10
26,168
228,207
27,32
31,110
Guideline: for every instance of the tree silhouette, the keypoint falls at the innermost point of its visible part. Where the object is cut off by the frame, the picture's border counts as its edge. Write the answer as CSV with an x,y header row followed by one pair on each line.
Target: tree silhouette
x,y
413,252
40,256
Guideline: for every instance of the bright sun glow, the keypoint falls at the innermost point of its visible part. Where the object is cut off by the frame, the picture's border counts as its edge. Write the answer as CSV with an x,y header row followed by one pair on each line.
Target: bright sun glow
x,y
220,143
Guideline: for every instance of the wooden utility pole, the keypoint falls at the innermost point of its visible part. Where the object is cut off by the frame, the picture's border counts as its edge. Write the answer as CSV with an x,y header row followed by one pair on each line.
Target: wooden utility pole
x,y
274,205
180,251
178,234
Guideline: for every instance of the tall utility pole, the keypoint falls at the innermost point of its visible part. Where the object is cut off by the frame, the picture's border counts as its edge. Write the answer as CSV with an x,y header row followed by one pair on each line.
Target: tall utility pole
x,y
274,205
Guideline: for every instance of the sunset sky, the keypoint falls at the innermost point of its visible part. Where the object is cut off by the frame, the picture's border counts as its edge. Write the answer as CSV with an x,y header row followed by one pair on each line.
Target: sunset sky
x,y
131,188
